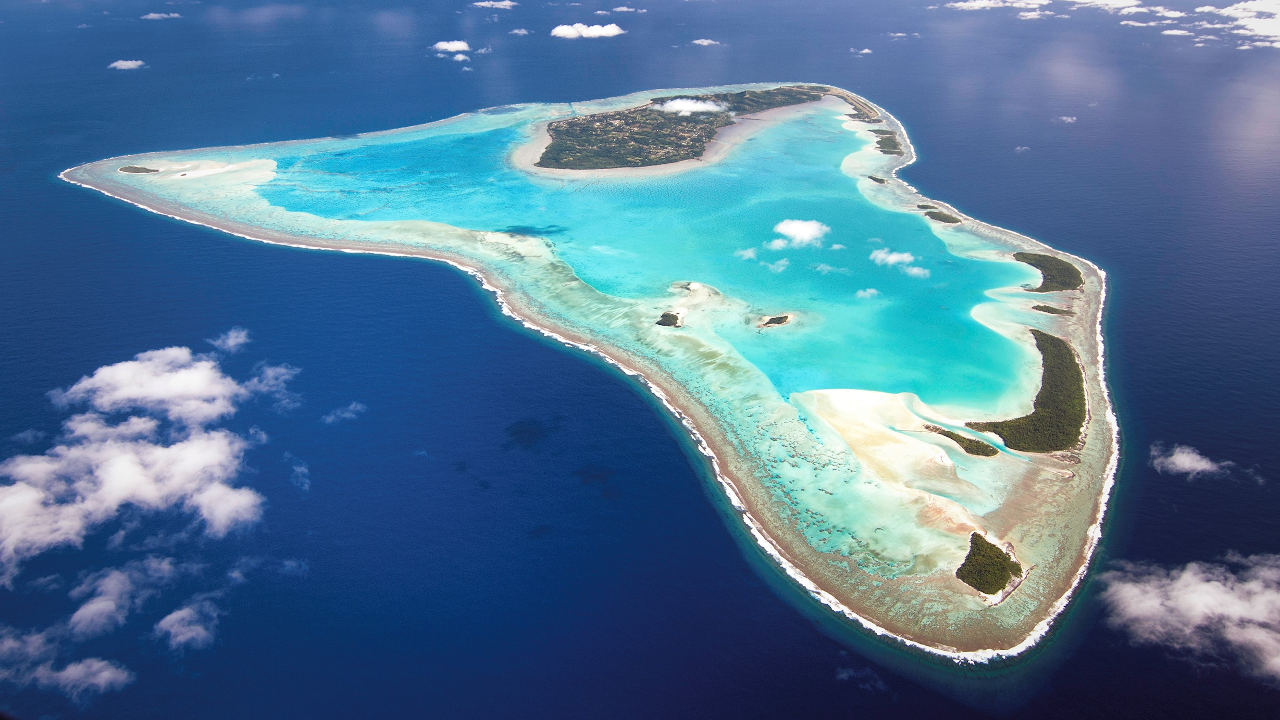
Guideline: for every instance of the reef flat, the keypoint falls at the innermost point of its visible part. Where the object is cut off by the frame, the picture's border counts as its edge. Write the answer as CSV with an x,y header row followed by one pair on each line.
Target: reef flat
x,y
862,366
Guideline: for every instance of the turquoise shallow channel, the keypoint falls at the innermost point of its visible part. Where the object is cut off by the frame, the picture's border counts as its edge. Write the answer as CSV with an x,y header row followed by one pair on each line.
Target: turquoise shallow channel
x,y
893,321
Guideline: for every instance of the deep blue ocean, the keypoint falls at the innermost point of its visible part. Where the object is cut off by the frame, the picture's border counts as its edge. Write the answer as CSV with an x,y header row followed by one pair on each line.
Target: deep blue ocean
x,y
513,529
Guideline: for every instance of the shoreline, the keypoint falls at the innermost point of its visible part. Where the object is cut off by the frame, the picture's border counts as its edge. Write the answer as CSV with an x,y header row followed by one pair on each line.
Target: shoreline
x,y
712,447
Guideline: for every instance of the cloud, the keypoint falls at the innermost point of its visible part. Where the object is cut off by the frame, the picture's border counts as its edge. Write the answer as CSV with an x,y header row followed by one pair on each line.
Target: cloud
x,y
451,46
350,411
260,17
777,266
77,679
1022,148
1176,32
173,382
687,106
1066,119
29,436
626,9
231,341
127,64
299,471
28,658
799,233
995,4
161,16
579,30
901,260
191,626
165,456
1258,19
706,42
863,51
495,4
518,31
867,293
272,381
885,256
745,254
1205,610
459,57
826,269
865,678
1187,461
113,593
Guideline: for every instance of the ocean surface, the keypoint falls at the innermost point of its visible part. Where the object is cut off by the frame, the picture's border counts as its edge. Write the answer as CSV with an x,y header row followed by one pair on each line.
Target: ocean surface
x,y
512,528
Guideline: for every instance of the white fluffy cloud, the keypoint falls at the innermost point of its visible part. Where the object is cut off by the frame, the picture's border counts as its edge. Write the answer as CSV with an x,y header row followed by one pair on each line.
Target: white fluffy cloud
x,y
994,4
867,293
231,341
900,260
1206,609
579,30
1186,461
687,106
172,382
778,265
161,16
706,42
103,464
628,9
745,253
885,256
495,4
127,64
1066,119
518,31
1255,23
798,233
350,411
191,626
452,46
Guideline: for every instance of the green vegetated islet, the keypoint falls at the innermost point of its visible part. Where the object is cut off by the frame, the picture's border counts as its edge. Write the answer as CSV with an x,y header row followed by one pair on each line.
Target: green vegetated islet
x,y
987,568
644,136
1051,310
1056,273
1059,413
942,217
968,444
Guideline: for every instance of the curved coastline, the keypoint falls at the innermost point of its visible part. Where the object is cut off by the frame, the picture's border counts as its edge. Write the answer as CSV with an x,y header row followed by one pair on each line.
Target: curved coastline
x,y
697,421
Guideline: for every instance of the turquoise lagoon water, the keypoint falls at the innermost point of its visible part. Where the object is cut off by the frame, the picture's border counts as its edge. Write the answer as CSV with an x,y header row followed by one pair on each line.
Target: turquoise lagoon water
x,y
634,237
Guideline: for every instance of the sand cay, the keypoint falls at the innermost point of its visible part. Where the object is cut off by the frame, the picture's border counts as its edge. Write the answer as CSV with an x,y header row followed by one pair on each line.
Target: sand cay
x,y
817,429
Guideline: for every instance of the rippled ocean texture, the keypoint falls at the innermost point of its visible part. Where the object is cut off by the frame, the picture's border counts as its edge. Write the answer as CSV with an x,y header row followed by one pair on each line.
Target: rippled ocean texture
x,y
512,529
